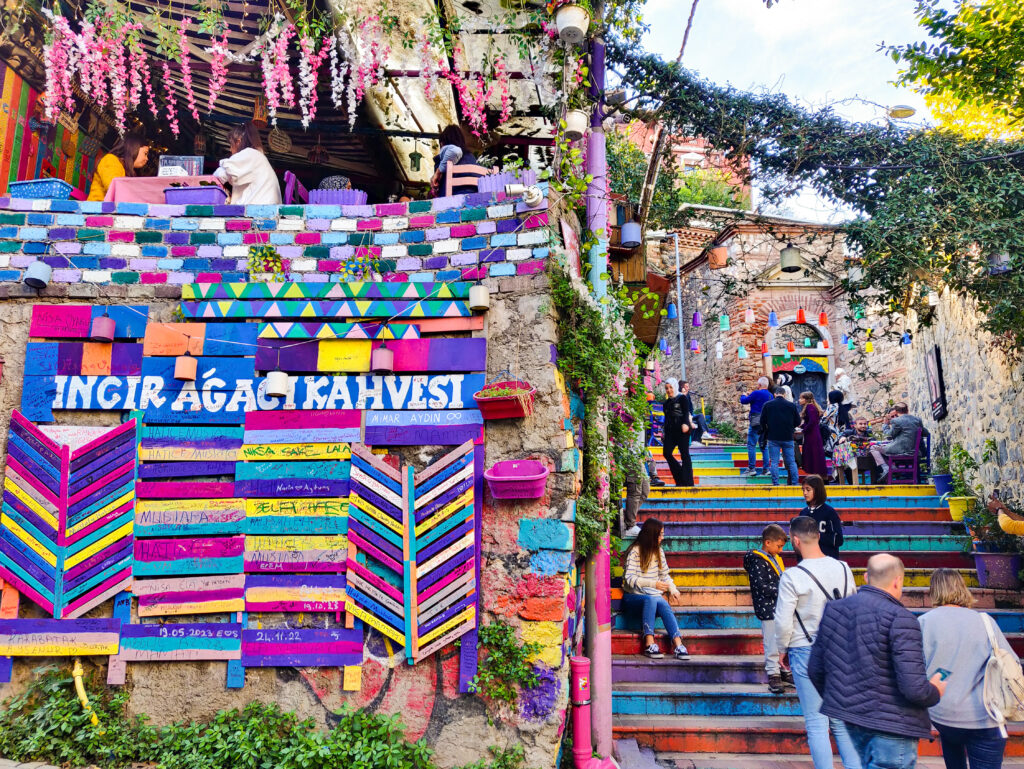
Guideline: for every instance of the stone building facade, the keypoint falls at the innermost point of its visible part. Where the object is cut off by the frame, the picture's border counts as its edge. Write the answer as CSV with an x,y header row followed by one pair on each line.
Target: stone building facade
x,y
753,280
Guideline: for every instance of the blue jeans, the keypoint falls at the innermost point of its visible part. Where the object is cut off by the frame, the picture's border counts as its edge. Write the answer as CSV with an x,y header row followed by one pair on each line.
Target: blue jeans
x,y
816,723
788,456
753,440
982,747
647,606
880,750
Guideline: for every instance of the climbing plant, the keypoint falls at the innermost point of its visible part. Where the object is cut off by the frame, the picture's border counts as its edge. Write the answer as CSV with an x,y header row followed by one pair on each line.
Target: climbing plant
x,y
504,668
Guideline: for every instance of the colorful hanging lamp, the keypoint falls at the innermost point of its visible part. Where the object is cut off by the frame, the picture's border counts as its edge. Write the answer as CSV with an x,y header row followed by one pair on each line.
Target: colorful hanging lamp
x,y
790,347
663,346
906,338
807,341
850,345
671,313
844,339
748,315
787,355
823,319
764,349
723,322
719,349
824,344
694,345
801,316
741,353
698,321
869,346
773,319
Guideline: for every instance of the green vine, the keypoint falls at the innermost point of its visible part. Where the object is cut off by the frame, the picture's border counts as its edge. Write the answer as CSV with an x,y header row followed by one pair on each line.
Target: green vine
x,y
504,667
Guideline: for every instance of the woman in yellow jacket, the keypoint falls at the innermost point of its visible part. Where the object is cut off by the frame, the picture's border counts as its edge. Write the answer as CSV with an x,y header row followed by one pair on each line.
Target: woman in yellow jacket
x,y
129,154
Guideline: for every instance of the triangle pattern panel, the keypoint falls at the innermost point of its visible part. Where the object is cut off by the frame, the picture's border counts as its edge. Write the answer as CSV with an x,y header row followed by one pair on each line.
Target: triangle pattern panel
x,y
285,309
66,528
298,291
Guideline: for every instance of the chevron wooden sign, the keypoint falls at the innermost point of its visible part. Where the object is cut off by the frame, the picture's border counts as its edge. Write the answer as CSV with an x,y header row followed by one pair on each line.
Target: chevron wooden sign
x,y
67,518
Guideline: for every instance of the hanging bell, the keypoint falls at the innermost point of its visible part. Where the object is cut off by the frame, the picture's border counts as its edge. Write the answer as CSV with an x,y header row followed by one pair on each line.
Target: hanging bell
x,y
748,315
807,341
850,345
671,313
723,322
869,346
823,319
790,347
773,319
801,316
741,353
764,349
663,346
694,346
844,339
787,355
698,321
719,349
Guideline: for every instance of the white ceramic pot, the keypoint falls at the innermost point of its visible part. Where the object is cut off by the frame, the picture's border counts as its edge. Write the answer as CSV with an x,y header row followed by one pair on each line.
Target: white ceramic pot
x,y
576,122
37,274
277,384
572,22
479,298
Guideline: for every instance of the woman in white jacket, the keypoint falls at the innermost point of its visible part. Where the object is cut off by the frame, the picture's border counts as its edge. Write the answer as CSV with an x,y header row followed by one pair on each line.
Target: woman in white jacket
x,y
252,178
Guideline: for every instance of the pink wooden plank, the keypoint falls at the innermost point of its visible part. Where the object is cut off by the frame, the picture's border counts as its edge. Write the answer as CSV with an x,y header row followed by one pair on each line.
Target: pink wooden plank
x,y
127,427
16,416
62,321
184,490
294,420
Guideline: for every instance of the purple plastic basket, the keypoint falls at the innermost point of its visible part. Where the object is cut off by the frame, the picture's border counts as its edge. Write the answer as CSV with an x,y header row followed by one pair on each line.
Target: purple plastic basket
x,y
207,195
497,182
517,479
337,197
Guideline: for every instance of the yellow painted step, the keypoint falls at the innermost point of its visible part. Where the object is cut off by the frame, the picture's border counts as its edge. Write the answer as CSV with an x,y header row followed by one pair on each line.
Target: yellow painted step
x,y
787,492
738,577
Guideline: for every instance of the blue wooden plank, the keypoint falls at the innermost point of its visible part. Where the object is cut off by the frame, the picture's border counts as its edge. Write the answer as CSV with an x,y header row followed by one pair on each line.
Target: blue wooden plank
x,y
41,358
129,320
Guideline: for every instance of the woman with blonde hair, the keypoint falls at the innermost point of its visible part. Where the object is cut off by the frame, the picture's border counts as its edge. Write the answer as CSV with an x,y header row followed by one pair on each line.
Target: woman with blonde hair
x,y
958,642
814,446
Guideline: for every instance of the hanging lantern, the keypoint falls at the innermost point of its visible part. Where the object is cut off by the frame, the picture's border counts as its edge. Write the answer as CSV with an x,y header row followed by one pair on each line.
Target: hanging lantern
x,y
277,384
807,341
748,315
824,344
415,158
869,346
787,355
801,316
850,345
859,314
933,298
663,346
764,349
259,112
649,365
102,329
199,142
790,347
694,346
185,367
382,360
672,313
631,235
37,275
668,351
906,338
773,319
741,353
698,321
719,349
790,259
844,339
823,319
479,297
318,155
723,322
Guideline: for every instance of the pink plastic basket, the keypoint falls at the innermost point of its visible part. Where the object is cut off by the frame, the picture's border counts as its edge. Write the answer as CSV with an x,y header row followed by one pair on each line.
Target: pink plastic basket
x,y
517,479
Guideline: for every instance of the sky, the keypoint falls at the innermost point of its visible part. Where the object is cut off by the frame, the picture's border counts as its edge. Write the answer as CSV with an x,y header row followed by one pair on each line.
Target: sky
x,y
817,51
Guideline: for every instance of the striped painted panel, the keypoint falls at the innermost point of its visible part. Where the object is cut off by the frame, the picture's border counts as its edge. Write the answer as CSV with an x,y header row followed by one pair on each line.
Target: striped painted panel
x,y
301,309
288,330
180,643
303,647
190,595
295,592
354,290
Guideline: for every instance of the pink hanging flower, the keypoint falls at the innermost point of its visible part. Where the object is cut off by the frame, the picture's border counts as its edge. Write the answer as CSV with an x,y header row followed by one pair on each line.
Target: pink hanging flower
x,y
219,53
186,66
502,80
59,56
172,103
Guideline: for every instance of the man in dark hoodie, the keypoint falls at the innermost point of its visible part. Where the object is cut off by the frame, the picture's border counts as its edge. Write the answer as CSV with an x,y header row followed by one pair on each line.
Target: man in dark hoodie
x,y
868,664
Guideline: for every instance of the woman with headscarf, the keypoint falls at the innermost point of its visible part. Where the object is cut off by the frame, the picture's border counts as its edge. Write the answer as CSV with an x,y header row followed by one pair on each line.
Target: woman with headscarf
x,y
677,434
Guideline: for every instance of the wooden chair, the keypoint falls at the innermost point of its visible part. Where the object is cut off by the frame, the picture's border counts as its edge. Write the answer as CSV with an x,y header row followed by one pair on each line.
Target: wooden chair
x,y
293,188
906,468
462,176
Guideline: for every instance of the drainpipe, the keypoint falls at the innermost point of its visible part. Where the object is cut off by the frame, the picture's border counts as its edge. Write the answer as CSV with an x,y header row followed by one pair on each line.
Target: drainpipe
x,y
582,754
679,314
597,167
599,646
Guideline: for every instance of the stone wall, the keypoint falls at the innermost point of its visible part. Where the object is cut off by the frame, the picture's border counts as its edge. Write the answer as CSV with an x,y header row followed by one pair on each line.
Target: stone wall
x,y
984,393
122,254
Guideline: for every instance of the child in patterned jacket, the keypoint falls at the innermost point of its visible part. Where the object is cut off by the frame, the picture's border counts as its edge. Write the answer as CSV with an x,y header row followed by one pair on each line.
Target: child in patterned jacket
x,y
764,567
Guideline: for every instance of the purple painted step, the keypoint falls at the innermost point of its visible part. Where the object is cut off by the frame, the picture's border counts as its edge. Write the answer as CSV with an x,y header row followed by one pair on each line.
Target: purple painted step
x,y
850,528
697,670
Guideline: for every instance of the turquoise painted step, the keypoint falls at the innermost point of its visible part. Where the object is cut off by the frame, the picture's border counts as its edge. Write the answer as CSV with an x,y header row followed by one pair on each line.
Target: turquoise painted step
x,y
743,618
653,699
785,503
895,543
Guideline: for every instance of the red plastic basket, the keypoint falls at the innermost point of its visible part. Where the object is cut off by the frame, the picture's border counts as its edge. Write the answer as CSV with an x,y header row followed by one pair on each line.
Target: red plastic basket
x,y
507,406
517,479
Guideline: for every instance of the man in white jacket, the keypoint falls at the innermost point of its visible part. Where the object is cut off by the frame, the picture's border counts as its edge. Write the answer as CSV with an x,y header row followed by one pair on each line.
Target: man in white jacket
x,y
803,592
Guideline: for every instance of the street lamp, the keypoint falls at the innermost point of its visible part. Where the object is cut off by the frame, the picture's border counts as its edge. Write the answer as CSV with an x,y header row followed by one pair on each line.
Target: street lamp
x,y
901,111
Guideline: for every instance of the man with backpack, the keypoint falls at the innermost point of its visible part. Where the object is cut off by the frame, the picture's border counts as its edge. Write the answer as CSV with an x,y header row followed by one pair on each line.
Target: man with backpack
x,y
868,665
804,591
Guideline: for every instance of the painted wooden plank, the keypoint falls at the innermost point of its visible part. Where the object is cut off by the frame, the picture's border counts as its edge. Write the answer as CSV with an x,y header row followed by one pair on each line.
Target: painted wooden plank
x,y
61,321
125,359
41,358
181,642
302,420
324,470
421,436
189,517
294,451
58,638
292,487
184,489
311,435
288,330
222,368
295,592
96,358
190,595
353,290
156,436
130,321
347,355
164,339
295,553
166,557
185,469
304,647
448,325
307,310
296,516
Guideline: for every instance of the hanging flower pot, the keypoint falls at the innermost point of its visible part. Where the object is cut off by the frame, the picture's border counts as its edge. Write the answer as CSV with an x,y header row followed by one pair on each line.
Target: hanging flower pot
x,y
506,400
102,329
576,122
572,22
517,479
998,570
718,257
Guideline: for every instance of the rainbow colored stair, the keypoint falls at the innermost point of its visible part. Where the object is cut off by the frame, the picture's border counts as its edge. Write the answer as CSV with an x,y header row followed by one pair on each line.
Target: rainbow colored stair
x,y
715,711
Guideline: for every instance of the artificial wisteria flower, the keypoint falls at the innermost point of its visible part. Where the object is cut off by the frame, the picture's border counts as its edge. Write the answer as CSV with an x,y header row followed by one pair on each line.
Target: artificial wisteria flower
x,y
186,66
172,103
309,65
219,54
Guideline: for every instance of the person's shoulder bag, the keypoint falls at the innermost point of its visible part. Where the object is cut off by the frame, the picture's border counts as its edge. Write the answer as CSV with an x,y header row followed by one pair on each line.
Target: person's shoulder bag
x,y
834,596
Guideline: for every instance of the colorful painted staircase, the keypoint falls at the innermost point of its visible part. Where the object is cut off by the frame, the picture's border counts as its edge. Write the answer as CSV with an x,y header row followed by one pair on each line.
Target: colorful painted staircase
x,y
715,711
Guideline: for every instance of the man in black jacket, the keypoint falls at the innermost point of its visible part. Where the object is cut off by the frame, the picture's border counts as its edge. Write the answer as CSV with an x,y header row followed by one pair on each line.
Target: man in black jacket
x,y
677,434
779,418
868,664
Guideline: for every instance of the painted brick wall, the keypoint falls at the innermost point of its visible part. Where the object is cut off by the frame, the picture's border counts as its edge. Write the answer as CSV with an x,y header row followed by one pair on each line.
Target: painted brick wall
x,y
462,237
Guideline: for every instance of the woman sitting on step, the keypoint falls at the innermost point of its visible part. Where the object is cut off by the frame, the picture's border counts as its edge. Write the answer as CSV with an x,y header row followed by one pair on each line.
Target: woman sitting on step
x,y
644,584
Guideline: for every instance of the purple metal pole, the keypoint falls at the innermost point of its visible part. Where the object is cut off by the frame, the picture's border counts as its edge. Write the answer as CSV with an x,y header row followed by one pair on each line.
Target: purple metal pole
x,y
597,167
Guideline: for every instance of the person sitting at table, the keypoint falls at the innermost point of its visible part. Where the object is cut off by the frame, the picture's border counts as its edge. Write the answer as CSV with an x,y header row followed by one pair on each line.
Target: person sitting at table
x,y
454,152
335,182
252,178
125,158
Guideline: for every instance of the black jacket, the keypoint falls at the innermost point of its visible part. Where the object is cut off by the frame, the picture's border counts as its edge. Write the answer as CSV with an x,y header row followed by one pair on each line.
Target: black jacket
x,y
779,418
677,413
868,664
764,585
830,526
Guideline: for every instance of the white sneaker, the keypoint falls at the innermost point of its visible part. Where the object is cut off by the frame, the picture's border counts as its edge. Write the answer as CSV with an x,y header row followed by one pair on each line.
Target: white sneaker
x,y
634,532
697,445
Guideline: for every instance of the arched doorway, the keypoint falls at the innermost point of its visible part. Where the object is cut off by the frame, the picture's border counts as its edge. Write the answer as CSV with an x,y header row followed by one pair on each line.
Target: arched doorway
x,y
807,368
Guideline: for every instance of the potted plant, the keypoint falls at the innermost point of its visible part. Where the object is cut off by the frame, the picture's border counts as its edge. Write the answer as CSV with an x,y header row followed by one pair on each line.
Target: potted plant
x,y
517,479
996,552
506,399
577,110
572,19
941,476
962,468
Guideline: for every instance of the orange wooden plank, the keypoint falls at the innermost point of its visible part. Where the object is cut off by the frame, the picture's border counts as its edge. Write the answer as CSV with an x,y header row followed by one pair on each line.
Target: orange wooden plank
x,y
96,358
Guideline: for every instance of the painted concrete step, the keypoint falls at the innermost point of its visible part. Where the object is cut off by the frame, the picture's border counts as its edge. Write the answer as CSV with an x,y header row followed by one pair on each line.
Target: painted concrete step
x,y
724,577
742,618
755,737
699,669
851,528
765,516
912,559
756,501
791,492
885,544
778,761
734,643
668,699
